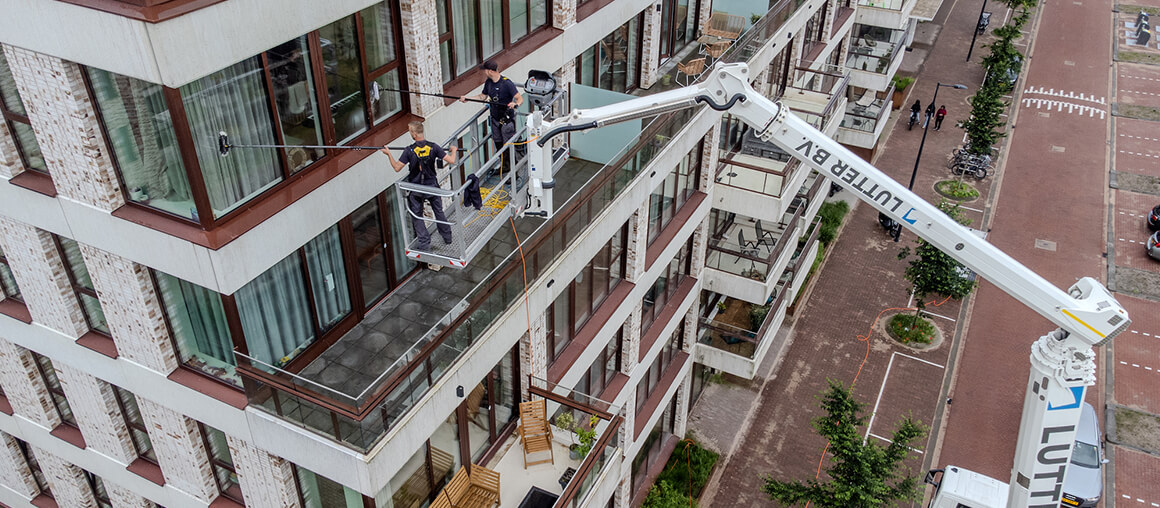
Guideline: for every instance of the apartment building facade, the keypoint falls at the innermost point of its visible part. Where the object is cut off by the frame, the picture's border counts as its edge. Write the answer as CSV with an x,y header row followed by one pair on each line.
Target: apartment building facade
x,y
185,328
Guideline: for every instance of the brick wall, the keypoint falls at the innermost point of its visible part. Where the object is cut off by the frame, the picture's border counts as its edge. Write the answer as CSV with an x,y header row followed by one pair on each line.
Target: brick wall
x,y
180,450
122,497
24,387
630,345
680,418
266,480
14,471
706,10
637,243
650,33
66,128
10,163
534,352
39,272
564,79
132,309
563,13
69,486
420,27
97,413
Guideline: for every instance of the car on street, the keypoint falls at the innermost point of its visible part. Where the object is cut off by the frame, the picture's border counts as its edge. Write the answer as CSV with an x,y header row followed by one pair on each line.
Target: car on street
x,y
1084,483
1154,219
1153,246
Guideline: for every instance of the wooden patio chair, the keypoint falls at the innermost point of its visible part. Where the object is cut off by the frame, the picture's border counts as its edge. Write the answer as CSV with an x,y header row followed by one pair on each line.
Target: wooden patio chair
x,y
441,501
717,49
484,486
535,432
691,70
725,26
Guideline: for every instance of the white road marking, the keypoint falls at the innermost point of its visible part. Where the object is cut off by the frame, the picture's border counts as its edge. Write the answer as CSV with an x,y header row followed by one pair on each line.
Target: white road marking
x,y
913,449
1132,241
1139,137
1123,213
1141,154
1063,94
1078,109
1137,91
1138,77
1138,366
889,365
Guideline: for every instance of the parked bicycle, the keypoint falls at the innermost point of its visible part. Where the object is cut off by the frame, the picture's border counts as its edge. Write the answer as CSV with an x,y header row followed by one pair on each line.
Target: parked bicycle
x,y
973,165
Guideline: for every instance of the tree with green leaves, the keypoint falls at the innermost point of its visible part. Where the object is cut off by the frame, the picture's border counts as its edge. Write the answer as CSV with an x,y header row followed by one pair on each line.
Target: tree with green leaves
x,y
934,272
982,126
863,474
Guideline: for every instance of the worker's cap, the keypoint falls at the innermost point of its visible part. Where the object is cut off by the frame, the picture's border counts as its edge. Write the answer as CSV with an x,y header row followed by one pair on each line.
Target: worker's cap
x,y
489,66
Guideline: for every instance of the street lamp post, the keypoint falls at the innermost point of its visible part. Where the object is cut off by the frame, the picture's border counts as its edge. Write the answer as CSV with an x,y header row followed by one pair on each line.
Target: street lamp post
x,y
976,36
925,127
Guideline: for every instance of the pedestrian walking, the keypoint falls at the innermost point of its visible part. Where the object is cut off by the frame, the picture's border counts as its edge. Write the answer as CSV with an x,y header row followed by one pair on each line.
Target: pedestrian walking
x,y
420,158
915,109
938,117
929,113
503,97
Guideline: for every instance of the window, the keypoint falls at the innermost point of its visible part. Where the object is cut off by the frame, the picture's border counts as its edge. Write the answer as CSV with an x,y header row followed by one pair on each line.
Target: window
x,y
678,24
34,466
82,284
471,31
138,432
657,368
316,491
8,287
602,370
16,119
666,286
48,374
197,324
680,184
614,62
324,88
99,493
219,459
575,306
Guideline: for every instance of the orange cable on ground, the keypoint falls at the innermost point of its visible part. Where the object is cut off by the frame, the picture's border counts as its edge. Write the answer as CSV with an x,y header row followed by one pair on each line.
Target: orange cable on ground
x,y
865,358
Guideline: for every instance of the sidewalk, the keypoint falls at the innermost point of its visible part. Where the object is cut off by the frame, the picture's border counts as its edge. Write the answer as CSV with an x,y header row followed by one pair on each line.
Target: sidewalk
x,y
771,433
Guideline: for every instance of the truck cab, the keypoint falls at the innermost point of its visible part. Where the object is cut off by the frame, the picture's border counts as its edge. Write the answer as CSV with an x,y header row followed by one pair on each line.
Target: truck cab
x,y
955,487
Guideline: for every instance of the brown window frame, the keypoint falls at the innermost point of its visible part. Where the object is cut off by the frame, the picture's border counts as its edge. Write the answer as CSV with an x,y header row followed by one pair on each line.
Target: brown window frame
x,y
94,481
581,73
13,293
673,280
575,322
79,289
34,467
173,102
449,35
679,196
135,426
232,492
9,117
55,390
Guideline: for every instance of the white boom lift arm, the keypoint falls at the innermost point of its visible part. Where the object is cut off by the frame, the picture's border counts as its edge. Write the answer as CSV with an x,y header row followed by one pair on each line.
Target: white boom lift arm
x,y
1062,361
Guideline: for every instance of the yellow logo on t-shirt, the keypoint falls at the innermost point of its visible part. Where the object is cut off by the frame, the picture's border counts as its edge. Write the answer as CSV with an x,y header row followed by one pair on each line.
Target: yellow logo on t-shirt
x,y
423,151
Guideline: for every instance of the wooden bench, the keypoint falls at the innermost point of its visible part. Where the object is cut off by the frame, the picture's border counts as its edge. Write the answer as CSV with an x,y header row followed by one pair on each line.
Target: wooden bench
x,y
480,489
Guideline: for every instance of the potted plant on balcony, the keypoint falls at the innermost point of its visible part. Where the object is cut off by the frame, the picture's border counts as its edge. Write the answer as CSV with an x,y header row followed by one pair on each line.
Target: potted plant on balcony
x,y
900,84
586,435
567,423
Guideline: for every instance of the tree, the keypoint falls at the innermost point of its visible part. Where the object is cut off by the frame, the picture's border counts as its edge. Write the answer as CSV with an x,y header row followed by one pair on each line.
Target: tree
x,y
863,473
934,272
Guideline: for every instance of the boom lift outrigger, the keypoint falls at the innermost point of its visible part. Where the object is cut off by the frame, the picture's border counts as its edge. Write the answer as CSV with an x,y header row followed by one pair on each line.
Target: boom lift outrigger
x,y
1062,361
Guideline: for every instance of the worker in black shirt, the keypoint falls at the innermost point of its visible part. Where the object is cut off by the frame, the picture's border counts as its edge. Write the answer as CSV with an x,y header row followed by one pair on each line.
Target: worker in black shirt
x,y
420,156
503,97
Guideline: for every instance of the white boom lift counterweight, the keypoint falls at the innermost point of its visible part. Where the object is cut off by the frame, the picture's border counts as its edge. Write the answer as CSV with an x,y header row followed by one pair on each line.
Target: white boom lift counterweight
x,y
1062,361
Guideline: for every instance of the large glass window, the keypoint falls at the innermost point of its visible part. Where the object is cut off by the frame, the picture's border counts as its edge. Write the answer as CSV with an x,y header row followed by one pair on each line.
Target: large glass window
x,y
678,24
316,89
52,382
13,114
138,432
82,284
613,63
666,286
317,491
99,493
34,466
678,186
8,287
473,30
197,322
221,462
575,306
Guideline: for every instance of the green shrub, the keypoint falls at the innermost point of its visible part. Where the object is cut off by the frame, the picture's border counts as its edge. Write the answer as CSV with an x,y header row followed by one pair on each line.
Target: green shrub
x,y
689,463
957,189
901,82
757,315
831,215
909,328
663,495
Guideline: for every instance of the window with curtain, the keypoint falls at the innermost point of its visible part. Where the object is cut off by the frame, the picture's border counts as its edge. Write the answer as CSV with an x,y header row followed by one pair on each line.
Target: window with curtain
x,y
233,100
138,432
197,323
8,287
142,142
383,61
471,31
316,491
224,472
612,64
82,284
16,118
678,186
55,391
295,100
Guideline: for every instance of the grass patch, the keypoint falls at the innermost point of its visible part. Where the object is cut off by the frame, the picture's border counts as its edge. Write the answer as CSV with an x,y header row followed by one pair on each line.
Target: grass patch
x,y
1141,112
906,329
1137,57
957,190
1137,429
831,214
813,268
687,471
1152,11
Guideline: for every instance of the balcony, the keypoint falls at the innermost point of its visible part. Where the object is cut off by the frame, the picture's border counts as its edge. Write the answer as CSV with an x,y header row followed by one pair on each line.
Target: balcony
x,y
363,385
729,341
819,96
866,118
884,13
875,54
747,257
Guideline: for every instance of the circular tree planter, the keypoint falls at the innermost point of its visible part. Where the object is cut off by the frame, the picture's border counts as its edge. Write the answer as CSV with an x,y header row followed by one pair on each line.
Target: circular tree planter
x,y
959,191
887,327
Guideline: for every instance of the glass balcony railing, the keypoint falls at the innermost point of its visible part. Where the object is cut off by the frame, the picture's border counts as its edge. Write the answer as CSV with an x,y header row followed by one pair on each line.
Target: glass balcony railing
x,y
361,413
867,113
894,5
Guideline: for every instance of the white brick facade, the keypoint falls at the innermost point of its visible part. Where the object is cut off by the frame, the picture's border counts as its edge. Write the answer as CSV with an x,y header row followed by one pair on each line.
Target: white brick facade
x,y
421,52
267,479
563,13
10,163
24,386
14,471
43,281
68,483
99,417
650,47
180,450
122,497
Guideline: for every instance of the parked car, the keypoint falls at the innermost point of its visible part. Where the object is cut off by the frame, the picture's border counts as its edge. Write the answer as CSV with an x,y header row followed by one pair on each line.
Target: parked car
x,y
1154,219
1084,483
1153,246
